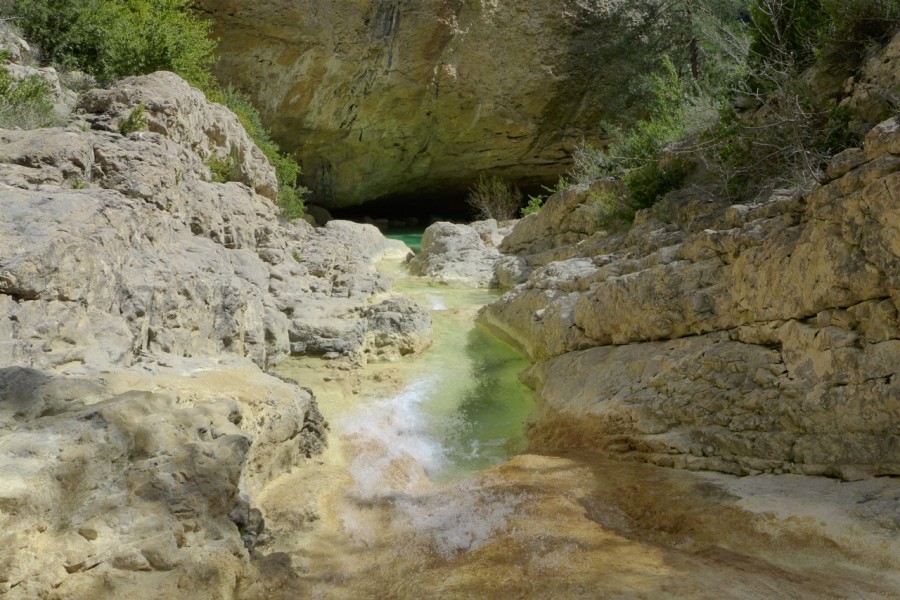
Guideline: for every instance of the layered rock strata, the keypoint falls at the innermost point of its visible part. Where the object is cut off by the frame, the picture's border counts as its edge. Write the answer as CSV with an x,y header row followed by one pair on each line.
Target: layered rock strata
x,y
744,339
139,302
395,97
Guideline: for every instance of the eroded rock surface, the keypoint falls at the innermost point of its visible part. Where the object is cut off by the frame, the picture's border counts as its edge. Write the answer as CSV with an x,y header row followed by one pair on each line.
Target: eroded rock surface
x,y
139,303
744,339
397,96
460,254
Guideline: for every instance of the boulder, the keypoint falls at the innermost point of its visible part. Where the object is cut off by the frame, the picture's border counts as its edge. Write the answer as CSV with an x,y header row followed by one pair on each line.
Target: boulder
x,y
463,255
139,302
124,476
397,327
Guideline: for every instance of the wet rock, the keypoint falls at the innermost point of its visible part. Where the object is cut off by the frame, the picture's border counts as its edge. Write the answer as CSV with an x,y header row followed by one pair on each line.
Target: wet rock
x,y
397,327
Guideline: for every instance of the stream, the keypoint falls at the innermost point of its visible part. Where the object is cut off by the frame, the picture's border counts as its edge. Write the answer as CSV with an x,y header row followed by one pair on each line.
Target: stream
x,y
425,491
404,437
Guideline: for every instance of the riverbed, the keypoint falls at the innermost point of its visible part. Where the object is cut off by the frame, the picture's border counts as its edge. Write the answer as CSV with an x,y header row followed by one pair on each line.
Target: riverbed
x,y
426,491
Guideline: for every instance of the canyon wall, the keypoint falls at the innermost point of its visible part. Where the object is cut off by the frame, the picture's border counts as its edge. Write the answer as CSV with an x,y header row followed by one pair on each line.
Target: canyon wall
x,y
745,338
392,97
140,302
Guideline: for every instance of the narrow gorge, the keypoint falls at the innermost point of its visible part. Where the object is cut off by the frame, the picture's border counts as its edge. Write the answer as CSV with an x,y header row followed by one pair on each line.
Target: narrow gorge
x,y
205,396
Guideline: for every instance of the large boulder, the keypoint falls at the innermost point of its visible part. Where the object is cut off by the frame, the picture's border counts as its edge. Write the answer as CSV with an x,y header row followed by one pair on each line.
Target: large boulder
x,y
140,301
121,245
391,97
460,254
137,478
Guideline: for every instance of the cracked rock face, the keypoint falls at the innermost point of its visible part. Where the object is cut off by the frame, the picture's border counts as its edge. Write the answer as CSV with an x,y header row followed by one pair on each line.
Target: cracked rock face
x,y
139,303
389,97
742,339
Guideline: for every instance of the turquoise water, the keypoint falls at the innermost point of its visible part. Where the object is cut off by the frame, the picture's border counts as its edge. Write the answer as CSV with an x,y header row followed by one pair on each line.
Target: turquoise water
x,y
410,237
454,409
474,406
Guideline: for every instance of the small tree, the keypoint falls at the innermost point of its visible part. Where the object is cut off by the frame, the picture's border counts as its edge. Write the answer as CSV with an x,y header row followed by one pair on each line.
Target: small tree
x,y
495,198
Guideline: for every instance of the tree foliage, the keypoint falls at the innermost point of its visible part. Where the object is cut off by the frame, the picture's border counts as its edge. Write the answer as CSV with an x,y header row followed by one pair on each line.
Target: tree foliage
x,y
290,194
733,93
111,39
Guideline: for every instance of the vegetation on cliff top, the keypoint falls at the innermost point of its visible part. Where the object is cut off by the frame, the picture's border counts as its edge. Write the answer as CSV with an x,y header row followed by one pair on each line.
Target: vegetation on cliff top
x,y
112,39
735,98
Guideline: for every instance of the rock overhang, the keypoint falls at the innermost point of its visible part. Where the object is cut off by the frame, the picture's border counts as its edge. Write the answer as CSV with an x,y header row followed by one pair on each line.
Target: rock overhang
x,y
386,99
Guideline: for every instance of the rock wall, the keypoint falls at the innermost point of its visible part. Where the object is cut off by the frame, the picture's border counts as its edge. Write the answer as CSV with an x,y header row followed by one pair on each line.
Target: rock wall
x,y
390,97
130,247
743,339
139,303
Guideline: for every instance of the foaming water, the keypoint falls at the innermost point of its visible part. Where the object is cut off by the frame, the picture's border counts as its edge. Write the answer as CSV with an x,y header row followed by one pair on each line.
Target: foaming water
x,y
462,407
390,444
406,440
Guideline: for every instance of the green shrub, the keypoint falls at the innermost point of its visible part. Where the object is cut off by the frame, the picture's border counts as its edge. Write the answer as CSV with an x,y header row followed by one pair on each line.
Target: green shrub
x,y
634,155
649,183
111,39
25,103
788,142
795,34
855,27
135,121
290,199
642,143
223,170
494,198
612,211
534,205
785,32
290,194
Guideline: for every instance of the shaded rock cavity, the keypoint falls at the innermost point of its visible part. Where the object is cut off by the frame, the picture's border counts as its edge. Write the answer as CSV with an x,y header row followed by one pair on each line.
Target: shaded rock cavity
x,y
383,99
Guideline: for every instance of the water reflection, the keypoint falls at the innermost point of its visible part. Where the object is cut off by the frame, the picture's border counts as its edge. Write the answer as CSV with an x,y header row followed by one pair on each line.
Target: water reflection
x,y
487,427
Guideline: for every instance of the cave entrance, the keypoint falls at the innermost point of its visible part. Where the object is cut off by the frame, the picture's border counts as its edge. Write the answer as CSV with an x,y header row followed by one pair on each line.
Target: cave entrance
x,y
418,210
411,211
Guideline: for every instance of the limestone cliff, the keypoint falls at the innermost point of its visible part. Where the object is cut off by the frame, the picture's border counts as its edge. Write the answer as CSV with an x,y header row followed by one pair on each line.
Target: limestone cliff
x,y
396,96
746,339
139,302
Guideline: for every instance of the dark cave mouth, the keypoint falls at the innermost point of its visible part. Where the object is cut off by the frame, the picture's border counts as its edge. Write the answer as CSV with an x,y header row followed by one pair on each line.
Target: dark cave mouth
x,y
418,210
410,211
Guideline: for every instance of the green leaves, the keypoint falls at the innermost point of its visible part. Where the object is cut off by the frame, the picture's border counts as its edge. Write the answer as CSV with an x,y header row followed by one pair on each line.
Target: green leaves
x,y
25,103
111,39
290,194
